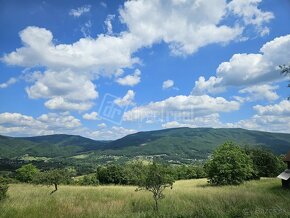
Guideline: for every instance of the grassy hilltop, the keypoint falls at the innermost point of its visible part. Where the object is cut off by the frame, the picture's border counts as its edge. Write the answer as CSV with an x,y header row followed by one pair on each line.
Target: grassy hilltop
x,y
190,198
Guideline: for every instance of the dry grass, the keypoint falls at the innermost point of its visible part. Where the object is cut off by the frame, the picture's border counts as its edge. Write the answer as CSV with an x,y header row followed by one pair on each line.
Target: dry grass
x,y
191,198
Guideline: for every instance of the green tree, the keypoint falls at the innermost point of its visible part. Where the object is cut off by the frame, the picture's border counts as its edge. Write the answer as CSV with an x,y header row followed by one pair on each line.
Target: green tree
x,y
89,180
53,177
156,180
229,165
3,188
265,163
26,172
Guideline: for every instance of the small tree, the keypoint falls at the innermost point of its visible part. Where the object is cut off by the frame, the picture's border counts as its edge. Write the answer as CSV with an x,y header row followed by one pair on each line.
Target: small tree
x,y
53,177
229,165
156,180
3,188
26,172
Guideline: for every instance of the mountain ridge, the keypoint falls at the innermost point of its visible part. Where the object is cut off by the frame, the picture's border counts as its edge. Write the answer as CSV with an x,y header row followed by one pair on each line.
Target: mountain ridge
x,y
173,143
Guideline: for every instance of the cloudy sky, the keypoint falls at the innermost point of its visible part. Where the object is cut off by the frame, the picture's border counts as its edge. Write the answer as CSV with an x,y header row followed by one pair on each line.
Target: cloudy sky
x,y
105,69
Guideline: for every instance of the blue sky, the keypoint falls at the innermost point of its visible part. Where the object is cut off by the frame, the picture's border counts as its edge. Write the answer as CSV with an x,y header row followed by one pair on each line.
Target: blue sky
x,y
105,69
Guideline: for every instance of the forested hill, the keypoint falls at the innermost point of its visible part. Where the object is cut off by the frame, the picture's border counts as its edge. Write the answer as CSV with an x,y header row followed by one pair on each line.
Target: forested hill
x,y
175,143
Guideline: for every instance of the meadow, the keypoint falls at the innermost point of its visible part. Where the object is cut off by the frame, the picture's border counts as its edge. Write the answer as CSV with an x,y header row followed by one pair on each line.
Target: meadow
x,y
188,198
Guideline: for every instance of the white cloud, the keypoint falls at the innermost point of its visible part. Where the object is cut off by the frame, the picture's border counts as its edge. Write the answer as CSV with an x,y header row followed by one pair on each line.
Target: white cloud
x,y
260,92
251,14
110,134
188,26
9,82
181,107
65,90
91,116
16,124
211,120
273,118
126,100
108,23
130,80
59,103
100,56
80,11
211,86
168,84
249,69
102,125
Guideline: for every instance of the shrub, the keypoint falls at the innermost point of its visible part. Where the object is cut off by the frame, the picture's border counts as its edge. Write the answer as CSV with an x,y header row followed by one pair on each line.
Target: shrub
x,y
26,173
3,188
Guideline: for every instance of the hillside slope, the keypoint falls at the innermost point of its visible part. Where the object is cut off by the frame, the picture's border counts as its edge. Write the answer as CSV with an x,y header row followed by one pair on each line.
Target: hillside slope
x,y
48,146
195,142
173,144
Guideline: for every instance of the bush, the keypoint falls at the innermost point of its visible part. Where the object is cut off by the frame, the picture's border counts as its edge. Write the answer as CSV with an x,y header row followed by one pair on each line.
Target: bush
x,y
3,188
229,165
266,164
26,173
89,180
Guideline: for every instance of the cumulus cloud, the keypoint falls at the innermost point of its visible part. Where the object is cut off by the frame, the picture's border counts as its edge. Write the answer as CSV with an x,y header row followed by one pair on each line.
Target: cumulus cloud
x,y
65,89
260,92
102,55
251,14
16,124
91,116
249,69
181,107
273,118
193,19
126,100
80,11
130,80
211,86
113,133
9,82
168,84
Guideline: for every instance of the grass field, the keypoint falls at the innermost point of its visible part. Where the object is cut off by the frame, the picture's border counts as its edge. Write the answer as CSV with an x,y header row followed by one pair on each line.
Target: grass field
x,y
190,198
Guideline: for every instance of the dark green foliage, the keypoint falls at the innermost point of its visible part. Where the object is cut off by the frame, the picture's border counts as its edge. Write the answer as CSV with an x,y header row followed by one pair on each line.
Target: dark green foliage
x,y
26,173
157,178
53,177
266,164
89,180
189,172
3,188
112,174
229,165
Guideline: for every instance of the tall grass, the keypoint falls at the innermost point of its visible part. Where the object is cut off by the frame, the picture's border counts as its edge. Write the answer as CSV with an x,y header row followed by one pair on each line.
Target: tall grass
x,y
191,198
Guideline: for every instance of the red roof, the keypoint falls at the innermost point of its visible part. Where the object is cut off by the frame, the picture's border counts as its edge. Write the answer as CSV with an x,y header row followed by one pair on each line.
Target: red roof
x,y
287,158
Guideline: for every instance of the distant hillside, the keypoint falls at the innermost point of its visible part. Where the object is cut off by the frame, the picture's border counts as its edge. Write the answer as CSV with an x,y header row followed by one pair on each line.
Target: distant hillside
x,y
195,142
48,146
171,144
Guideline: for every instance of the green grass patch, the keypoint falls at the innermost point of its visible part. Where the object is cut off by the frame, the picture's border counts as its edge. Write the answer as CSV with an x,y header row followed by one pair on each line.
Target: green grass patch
x,y
188,198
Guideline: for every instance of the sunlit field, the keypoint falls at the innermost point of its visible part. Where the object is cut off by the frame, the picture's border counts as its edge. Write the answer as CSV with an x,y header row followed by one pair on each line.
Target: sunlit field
x,y
190,198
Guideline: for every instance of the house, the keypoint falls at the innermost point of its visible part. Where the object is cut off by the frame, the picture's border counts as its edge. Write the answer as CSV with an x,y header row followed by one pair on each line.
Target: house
x,y
285,176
